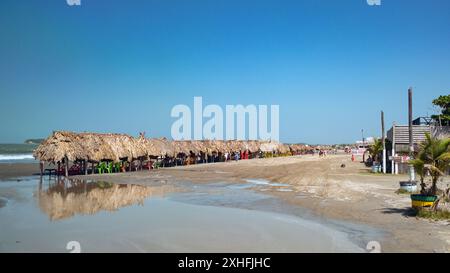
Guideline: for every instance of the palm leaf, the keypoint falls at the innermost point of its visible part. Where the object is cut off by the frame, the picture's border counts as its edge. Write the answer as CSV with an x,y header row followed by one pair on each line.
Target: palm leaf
x,y
433,169
444,157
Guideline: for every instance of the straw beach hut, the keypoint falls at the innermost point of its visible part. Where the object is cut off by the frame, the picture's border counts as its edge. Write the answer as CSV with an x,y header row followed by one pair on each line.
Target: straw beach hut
x,y
95,148
63,147
123,147
283,148
269,146
182,147
159,147
92,147
253,146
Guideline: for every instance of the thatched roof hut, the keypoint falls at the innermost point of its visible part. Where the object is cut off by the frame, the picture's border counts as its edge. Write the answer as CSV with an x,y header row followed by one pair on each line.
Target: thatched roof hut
x,y
96,147
182,147
234,146
283,148
124,146
60,145
298,147
269,146
253,146
159,147
89,146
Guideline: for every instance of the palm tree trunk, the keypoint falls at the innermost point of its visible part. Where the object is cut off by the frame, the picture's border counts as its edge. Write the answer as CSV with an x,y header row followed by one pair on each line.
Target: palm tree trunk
x,y
423,186
434,185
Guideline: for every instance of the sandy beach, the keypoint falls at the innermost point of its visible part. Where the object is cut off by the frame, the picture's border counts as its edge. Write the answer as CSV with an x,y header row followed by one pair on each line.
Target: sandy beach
x,y
351,194
319,185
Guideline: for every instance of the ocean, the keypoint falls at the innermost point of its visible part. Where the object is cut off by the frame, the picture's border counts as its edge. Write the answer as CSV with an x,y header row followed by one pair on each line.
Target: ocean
x,y
17,153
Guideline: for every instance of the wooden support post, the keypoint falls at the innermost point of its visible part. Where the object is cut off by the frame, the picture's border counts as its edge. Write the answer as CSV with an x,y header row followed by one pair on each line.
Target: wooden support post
x,y
393,150
85,167
40,184
129,166
412,176
41,166
384,141
66,166
93,168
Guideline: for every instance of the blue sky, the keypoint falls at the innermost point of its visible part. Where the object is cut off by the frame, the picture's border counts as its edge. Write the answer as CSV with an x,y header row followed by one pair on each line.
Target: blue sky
x,y
120,66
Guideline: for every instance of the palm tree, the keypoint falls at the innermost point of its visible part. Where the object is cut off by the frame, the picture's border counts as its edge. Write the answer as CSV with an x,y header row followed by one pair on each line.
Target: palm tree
x,y
433,158
419,166
375,149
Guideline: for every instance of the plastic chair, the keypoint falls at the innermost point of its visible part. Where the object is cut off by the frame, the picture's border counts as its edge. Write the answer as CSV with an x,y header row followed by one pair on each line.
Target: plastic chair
x,y
117,167
101,167
109,167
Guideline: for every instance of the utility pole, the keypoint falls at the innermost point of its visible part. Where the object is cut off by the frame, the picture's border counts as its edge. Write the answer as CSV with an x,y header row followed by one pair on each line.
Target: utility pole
x,y
412,176
384,142
363,145
394,164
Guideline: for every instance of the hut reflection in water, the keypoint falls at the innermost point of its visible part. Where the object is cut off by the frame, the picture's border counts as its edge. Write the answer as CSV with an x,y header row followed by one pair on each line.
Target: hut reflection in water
x,y
64,198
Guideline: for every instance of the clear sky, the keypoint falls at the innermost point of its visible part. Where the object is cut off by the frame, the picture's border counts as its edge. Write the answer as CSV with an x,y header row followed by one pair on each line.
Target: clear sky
x,y
120,66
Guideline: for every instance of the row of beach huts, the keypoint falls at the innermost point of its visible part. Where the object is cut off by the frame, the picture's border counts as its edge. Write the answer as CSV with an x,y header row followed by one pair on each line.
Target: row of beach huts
x,y
132,153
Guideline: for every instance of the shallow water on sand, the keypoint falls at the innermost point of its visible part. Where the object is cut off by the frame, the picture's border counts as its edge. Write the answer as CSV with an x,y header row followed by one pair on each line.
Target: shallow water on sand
x,y
107,217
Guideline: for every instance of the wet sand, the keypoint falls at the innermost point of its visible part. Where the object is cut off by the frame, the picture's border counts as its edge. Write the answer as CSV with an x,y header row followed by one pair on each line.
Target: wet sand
x,y
43,216
322,186
16,170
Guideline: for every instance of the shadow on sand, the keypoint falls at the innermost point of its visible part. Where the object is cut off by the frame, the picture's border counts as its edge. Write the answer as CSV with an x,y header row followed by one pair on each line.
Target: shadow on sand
x,y
407,211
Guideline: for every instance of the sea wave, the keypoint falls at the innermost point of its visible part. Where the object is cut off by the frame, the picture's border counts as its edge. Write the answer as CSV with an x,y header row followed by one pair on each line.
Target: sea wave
x,y
16,157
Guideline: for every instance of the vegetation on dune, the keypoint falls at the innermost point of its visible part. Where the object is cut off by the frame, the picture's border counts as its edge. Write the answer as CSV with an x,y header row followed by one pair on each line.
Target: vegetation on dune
x,y
375,150
17,148
433,159
34,141
434,215
443,102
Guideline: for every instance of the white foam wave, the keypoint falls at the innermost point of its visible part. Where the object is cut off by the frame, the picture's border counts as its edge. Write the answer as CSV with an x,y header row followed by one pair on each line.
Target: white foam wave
x,y
16,157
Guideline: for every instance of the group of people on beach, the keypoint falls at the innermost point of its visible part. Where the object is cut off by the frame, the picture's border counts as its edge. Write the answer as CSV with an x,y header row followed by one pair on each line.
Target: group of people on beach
x,y
241,155
322,153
